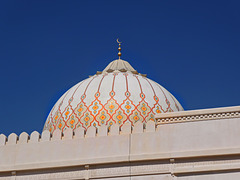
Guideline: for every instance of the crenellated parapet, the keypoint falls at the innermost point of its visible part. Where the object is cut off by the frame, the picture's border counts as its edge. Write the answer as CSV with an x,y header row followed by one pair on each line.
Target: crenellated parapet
x,y
143,142
78,133
150,126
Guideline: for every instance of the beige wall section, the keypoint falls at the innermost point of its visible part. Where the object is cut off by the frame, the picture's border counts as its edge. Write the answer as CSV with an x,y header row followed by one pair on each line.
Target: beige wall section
x,y
148,177
213,176
184,145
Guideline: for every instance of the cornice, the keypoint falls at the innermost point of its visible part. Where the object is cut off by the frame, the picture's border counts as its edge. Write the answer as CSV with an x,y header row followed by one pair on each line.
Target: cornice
x,y
198,115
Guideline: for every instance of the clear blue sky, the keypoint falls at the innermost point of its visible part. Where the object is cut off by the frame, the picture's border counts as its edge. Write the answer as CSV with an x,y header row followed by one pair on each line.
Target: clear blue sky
x,y
192,48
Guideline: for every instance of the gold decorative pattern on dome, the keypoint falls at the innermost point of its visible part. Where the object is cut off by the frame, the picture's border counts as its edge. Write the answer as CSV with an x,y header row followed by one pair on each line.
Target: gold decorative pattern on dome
x,y
99,101
117,95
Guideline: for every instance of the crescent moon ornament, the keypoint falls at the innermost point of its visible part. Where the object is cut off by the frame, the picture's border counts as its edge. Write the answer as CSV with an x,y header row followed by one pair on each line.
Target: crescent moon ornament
x,y
118,41
119,48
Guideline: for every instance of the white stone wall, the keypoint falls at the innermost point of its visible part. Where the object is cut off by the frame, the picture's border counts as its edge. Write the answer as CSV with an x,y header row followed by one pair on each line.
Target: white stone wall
x,y
213,176
198,148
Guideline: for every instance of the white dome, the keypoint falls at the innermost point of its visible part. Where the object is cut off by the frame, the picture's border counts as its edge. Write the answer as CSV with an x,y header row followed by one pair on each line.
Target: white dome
x,y
117,95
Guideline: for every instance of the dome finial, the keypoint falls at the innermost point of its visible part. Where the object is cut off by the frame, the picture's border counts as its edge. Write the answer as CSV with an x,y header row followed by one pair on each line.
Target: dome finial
x,y
119,48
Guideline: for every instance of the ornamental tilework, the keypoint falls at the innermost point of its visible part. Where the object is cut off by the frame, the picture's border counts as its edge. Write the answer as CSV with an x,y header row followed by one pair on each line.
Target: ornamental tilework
x,y
110,98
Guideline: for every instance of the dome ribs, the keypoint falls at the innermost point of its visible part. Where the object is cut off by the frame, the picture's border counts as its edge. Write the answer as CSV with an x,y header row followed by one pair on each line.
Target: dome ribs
x,y
81,107
102,114
58,114
119,65
110,99
95,111
166,100
142,107
134,115
49,122
111,105
127,103
125,66
73,122
156,99
110,66
174,102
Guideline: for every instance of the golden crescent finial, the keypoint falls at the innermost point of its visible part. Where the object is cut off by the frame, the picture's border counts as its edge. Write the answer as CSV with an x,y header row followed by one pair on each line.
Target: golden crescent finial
x,y
119,48
118,41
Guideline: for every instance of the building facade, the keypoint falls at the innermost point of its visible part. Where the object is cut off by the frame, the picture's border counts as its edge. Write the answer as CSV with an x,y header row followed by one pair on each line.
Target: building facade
x,y
120,125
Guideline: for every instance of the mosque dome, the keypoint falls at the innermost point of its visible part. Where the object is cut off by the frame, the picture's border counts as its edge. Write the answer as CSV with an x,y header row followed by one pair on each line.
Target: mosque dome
x,y
118,94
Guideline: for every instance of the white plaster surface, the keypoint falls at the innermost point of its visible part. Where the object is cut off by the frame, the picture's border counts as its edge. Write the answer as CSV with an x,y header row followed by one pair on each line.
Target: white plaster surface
x,y
138,128
118,178
68,134
91,132
57,135
102,131
23,138
126,128
34,137
12,139
45,136
153,177
79,133
3,139
213,176
189,150
147,177
155,97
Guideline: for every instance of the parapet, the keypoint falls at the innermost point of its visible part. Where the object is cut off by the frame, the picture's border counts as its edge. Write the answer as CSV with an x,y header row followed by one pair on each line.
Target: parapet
x,y
196,137
79,133
198,115
165,118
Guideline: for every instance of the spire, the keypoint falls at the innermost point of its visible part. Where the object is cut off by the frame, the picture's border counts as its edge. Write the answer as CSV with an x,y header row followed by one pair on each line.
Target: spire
x,y
119,48
119,65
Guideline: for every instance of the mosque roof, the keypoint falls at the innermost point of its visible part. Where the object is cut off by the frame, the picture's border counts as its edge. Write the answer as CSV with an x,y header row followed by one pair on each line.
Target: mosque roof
x,y
119,65
117,95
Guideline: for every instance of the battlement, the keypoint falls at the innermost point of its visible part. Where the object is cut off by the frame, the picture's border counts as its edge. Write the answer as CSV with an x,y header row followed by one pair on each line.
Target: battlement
x,y
79,133
165,118
196,137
